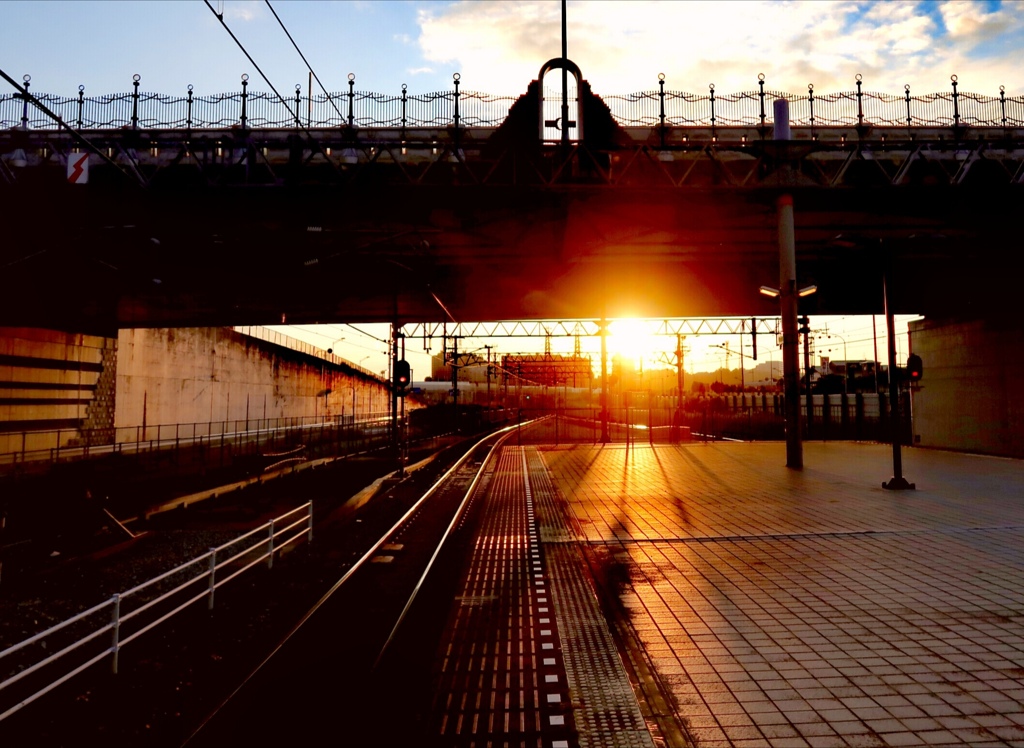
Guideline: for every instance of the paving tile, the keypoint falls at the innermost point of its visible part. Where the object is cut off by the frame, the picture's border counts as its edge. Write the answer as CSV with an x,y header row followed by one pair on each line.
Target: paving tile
x,y
870,712
902,739
707,735
775,732
939,737
905,712
1012,732
816,588
743,732
918,724
855,727
825,741
865,740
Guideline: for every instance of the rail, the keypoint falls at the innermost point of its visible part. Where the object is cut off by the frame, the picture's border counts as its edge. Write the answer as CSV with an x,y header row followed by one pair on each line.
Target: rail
x,y
188,584
137,110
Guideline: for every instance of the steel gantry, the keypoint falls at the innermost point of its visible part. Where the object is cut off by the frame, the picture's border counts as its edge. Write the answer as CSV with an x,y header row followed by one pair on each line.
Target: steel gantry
x,y
569,328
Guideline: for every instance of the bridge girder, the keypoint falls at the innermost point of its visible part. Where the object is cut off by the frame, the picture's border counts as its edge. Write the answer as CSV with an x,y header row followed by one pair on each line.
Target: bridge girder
x,y
513,233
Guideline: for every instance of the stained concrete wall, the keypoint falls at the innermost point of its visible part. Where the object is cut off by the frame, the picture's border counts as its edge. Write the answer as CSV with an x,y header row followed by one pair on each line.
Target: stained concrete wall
x,y
54,381
971,396
57,386
201,375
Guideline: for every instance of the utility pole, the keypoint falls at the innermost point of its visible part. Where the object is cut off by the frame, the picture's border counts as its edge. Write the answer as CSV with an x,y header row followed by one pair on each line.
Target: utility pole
x,y
394,393
743,381
679,368
805,330
488,347
455,380
604,381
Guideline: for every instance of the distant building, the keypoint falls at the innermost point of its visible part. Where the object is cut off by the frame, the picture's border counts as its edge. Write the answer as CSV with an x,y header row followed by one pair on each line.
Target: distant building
x,y
548,369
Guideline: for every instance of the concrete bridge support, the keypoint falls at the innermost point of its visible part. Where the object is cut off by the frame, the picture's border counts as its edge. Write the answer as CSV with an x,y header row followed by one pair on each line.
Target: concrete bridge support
x,y
971,396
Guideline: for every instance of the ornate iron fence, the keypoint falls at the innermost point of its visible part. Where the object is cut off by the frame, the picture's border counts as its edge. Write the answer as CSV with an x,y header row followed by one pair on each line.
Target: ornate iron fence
x,y
258,110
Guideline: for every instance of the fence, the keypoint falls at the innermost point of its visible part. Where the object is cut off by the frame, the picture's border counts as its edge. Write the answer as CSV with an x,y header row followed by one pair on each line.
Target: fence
x,y
746,417
657,107
52,657
19,450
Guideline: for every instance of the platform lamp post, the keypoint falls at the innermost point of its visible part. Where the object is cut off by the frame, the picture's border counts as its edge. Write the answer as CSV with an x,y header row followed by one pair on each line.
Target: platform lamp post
x,y
790,372
897,482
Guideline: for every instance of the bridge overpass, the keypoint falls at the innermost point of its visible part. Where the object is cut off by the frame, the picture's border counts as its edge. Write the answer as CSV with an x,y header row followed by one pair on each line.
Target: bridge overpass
x,y
249,216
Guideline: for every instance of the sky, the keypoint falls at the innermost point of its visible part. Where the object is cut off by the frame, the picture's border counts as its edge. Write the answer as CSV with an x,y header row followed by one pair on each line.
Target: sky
x,y
498,48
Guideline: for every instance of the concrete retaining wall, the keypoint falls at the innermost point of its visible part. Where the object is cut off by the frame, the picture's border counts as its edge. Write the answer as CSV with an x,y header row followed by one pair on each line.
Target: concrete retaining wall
x,y
200,375
51,381
56,386
971,396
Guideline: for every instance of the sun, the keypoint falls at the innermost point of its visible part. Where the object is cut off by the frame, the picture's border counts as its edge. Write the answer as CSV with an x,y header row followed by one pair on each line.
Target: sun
x,y
634,339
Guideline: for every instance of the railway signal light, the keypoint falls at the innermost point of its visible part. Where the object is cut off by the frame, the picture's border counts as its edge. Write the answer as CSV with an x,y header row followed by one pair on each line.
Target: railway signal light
x,y
915,368
402,377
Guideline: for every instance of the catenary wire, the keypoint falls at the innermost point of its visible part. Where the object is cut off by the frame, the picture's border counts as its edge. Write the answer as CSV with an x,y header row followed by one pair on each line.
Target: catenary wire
x,y
287,106
308,66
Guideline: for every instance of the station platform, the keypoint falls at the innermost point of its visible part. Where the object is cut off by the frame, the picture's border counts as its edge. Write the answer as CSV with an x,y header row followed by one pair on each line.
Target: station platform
x,y
706,595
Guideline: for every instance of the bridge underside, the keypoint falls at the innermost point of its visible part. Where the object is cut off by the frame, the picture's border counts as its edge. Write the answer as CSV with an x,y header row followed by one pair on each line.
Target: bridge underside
x,y
201,255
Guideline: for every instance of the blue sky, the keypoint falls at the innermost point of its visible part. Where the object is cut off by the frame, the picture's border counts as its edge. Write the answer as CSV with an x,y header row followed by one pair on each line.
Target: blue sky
x,y
498,47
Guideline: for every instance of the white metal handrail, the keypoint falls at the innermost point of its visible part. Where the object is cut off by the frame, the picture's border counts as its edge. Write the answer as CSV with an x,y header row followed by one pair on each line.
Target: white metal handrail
x,y
272,538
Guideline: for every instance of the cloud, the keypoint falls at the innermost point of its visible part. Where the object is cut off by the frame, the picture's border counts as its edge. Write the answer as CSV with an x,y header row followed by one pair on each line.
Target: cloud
x,y
622,46
420,71
242,10
968,24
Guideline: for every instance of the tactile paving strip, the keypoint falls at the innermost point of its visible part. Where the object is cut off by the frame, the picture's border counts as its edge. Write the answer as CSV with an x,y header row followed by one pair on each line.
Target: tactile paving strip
x,y
604,705
502,682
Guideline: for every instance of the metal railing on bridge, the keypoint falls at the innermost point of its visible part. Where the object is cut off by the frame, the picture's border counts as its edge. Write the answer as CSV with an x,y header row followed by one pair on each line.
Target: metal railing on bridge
x,y
367,109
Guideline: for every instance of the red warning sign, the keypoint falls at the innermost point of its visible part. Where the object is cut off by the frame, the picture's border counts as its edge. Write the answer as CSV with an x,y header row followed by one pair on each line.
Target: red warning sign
x,y
78,168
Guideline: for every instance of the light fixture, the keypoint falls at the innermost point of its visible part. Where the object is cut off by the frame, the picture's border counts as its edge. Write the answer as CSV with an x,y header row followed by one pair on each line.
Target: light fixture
x,y
775,293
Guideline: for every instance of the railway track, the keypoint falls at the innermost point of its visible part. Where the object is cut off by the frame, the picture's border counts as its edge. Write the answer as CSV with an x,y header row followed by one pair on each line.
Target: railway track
x,y
171,683
362,653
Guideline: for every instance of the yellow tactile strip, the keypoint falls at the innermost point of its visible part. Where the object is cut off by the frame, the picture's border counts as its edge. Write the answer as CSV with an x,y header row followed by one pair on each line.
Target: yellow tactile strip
x,y
502,680
604,705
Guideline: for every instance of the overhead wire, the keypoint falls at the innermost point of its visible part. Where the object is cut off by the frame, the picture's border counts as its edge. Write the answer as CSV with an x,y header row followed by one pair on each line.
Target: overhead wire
x,y
220,17
307,328
295,115
308,66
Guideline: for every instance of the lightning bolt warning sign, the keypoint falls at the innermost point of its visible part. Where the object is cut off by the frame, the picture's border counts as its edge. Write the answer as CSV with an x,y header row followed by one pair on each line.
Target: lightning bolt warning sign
x,y
78,168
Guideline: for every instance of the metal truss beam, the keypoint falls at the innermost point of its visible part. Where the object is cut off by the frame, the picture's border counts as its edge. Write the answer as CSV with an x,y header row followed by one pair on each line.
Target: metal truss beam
x,y
695,158
589,328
